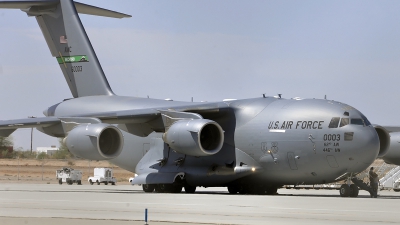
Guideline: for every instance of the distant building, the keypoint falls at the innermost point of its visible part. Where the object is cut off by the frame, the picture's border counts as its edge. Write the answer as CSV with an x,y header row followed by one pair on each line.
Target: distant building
x,y
48,150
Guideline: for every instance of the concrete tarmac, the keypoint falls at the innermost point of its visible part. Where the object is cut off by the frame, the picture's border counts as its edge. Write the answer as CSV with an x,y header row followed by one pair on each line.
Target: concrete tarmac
x,y
43,204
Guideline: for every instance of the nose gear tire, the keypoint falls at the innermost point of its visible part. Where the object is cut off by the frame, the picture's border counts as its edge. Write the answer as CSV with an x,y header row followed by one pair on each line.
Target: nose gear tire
x,y
344,190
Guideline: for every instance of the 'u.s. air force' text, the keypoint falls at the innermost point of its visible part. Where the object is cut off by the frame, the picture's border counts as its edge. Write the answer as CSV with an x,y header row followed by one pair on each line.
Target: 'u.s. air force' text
x,y
286,125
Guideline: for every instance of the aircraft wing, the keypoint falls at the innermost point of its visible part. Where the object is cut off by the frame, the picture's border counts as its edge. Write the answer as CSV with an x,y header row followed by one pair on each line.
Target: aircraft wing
x,y
126,116
146,115
140,122
29,122
391,128
7,127
392,144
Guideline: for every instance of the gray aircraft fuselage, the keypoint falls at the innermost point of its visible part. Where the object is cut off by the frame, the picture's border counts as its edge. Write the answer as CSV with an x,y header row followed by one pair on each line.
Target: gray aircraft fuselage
x,y
286,141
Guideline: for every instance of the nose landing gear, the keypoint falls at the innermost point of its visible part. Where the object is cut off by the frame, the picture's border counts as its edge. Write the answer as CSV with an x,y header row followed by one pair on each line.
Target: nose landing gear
x,y
351,190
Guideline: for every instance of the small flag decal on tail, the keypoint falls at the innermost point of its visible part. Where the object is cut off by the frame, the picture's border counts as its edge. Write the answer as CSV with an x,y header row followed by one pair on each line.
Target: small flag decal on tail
x,y
63,40
72,59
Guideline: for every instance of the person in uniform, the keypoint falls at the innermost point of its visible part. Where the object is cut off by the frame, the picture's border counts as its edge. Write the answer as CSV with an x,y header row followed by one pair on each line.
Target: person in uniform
x,y
373,182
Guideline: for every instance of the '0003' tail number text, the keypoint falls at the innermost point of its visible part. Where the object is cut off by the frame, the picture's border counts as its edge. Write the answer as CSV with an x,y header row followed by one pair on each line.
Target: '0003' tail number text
x,y
76,69
331,137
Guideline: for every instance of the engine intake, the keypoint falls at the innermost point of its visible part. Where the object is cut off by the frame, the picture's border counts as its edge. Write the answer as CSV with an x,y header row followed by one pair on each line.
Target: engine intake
x,y
384,140
95,141
199,137
393,154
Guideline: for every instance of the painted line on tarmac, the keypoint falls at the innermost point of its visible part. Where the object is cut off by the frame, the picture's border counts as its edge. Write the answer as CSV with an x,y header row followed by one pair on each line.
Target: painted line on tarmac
x,y
136,203
336,210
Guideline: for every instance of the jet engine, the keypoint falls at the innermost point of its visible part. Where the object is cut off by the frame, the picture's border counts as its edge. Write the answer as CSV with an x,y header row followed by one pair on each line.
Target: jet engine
x,y
198,137
95,141
384,140
393,154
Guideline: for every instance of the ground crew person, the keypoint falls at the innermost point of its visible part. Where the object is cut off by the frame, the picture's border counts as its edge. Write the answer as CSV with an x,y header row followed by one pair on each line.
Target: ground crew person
x,y
373,182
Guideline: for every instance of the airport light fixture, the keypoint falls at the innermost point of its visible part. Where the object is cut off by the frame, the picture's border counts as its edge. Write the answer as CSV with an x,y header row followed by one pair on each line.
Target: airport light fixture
x,y
31,132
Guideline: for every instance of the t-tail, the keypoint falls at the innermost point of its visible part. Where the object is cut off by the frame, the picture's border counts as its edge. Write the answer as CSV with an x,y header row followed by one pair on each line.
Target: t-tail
x,y
68,41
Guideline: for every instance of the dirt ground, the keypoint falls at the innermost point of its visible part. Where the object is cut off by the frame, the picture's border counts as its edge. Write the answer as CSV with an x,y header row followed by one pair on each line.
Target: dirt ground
x,y
44,171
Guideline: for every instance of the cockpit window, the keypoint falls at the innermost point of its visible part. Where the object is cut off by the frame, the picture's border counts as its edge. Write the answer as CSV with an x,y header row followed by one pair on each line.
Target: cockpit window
x,y
334,122
344,122
366,121
357,122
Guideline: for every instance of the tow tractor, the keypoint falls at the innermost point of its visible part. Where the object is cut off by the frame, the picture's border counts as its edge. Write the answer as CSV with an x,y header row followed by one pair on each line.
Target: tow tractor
x,y
69,176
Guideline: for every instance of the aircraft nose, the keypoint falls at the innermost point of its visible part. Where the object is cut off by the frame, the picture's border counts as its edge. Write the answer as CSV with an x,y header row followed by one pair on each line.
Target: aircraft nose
x,y
365,148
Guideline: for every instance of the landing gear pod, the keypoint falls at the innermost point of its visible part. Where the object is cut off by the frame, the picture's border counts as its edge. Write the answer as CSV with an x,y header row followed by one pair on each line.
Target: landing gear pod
x,y
95,141
199,137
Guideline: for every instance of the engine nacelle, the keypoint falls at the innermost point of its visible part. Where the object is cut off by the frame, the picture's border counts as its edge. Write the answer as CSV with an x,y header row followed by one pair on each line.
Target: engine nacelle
x,y
393,154
95,141
384,140
198,137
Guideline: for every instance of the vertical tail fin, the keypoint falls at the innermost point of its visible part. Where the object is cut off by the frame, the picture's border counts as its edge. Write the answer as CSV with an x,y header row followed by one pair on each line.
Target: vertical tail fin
x,y
69,43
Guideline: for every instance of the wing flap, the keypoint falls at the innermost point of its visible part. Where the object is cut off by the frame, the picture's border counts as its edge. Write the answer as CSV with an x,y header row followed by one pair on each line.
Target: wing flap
x,y
28,123
7,127
6,132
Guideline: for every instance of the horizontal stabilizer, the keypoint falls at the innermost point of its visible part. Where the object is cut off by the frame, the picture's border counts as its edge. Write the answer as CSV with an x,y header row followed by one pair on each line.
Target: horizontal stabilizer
x,y
80,7
96,11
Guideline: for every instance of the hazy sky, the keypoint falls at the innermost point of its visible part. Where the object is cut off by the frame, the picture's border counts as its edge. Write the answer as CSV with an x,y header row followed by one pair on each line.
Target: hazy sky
x,y
212,50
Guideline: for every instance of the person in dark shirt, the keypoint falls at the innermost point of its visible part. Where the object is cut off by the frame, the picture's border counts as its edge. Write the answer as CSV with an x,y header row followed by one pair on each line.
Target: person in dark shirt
x,y
373,182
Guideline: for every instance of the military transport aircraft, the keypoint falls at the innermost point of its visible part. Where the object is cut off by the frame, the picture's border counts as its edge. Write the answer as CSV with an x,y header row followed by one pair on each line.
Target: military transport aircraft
x,y
250,146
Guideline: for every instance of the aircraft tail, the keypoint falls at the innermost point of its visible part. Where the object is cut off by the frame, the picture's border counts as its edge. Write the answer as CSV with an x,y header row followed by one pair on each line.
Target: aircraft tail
x,y
68,41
